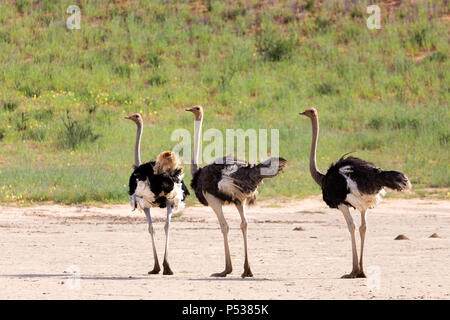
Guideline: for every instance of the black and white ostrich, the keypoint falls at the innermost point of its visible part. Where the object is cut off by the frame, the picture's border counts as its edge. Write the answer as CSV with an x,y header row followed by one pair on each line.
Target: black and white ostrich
x,y
148,190
227,180
352,182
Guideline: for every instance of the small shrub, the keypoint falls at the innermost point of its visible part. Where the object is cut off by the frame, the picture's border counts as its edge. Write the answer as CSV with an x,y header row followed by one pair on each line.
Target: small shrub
x,y
123,71
156,80
326,88
29,91
154,60
75,133
10,105
403,122
322,24
376,123
444,139
437,56
5,37
233,12
421,37
22,122
355,13
92,108
274,47
22,4
309,5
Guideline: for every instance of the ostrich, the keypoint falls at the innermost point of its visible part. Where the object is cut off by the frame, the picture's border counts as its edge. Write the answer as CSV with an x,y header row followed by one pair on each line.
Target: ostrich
x,y
162,188
352,182
227,180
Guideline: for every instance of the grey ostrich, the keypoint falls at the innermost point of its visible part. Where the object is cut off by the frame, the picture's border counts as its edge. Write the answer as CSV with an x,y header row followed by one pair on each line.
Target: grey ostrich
x,y
225,181
352,182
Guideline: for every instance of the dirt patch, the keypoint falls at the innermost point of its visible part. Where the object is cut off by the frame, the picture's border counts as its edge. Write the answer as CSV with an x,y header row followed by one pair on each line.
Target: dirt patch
x,y
61,252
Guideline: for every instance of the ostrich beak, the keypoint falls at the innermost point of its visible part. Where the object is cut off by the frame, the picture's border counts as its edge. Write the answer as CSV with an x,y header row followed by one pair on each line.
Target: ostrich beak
x,y
128,117
190,109
302,113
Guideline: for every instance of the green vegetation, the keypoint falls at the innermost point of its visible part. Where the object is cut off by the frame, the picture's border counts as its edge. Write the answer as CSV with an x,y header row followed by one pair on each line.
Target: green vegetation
x,y
251,64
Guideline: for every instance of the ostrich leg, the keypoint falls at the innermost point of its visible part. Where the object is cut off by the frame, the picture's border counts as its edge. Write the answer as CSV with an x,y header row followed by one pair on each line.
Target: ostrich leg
x,y
241,208
351,229
216,205
362,233
156,268
167,270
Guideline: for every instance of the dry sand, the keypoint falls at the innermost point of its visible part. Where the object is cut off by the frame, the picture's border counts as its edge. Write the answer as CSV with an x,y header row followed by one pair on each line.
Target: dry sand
x,y
111,249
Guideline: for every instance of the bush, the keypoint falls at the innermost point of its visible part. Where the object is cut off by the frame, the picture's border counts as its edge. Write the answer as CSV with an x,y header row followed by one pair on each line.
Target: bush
x,y
156,80
123,70
274,47
10,105
376,123
22,122
154,60
75,133
437,56
29,91
326,88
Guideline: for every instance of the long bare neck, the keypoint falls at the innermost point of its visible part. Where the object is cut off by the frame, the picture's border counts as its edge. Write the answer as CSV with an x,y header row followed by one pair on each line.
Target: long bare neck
x,y
315,173
197,134
137,146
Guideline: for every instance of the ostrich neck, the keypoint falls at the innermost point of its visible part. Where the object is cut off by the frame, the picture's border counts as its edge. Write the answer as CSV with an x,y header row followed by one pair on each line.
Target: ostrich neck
x,y
315,173
137,147
197,134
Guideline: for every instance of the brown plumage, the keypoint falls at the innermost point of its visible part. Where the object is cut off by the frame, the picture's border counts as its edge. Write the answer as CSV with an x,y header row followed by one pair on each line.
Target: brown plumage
x,y
168,162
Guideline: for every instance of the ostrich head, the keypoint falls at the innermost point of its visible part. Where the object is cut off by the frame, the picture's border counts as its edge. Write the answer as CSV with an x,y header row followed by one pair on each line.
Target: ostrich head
x,y
136,118
197,111
310,113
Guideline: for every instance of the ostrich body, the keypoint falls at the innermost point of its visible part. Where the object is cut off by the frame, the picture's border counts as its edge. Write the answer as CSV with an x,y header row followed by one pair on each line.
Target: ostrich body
x,y
352,182
225,181
148,189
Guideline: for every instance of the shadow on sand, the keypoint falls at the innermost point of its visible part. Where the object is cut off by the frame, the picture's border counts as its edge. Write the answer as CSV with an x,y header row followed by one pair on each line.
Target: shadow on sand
x,y
69,275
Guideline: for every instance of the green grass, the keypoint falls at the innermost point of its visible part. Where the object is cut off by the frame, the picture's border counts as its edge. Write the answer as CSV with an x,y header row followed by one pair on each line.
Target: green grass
x,y
63,93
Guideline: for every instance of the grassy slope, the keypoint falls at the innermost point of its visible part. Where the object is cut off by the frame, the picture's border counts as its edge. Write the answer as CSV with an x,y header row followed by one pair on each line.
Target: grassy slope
x,y
382,93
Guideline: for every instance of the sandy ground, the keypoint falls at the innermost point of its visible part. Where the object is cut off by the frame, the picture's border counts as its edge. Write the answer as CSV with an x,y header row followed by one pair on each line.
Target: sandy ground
x,y
109,250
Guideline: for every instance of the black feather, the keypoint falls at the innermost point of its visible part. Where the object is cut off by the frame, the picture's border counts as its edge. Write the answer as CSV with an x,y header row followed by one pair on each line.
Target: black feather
x,y
158,182
247,178
369,180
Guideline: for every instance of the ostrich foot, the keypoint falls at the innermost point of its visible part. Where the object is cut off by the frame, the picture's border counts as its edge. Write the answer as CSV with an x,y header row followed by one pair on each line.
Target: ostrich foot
x,y
167,271
247,273
222,274
156,269
361,274
351,275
